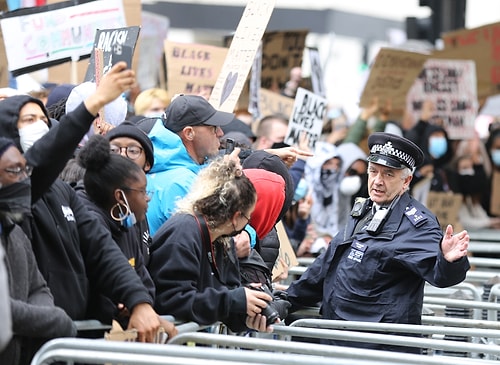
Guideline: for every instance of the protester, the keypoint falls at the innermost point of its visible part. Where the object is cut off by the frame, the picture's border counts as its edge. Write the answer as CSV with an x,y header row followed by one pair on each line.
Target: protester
x,y
74,253
115,189
375,270
271,132
35,318
184,140
131,142
194,267
151,103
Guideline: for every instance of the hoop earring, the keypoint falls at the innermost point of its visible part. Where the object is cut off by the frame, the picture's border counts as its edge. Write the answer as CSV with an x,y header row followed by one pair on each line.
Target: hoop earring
x,y
121,215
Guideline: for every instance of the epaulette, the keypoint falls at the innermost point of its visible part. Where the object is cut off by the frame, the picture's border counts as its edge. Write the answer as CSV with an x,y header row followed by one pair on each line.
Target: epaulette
x,y
415,216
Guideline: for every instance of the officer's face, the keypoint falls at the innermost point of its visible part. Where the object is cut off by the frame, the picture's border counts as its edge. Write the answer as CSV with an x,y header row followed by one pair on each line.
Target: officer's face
x,y
385,183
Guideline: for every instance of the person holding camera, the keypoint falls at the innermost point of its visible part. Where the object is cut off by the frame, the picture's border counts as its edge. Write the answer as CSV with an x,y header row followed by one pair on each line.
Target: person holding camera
x,y
193,261
375,269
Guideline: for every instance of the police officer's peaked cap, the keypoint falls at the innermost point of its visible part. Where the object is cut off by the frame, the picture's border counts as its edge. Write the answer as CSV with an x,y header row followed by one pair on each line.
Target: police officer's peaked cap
x,y
394,151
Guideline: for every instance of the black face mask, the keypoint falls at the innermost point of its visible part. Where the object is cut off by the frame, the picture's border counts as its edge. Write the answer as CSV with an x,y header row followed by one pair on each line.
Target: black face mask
x,y
15,200
473,184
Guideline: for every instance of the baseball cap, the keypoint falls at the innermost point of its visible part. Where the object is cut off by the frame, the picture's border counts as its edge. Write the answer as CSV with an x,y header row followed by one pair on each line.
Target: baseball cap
x,y
193,110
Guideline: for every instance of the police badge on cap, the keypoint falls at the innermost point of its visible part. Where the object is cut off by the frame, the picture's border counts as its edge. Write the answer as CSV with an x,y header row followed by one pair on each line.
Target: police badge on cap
x,y
394,151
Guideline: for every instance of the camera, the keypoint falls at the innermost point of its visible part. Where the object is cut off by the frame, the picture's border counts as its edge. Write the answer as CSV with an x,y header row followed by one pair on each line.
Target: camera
x,y
277,308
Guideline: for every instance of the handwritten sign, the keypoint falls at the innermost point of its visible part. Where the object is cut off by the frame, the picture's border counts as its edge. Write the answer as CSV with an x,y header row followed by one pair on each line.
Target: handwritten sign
x,y
281,51
41,38
286,252
318,85
391,76
193,68
309,111
446,207
481,45
241,54
451,86
107,40
271,103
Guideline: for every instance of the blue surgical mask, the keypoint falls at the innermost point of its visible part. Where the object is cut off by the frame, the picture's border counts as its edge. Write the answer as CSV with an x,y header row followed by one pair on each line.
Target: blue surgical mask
x,y
301,190
437,146
495,156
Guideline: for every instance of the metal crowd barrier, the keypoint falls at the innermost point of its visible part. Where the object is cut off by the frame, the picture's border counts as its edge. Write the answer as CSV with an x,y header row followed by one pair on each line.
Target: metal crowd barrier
x,y
330,351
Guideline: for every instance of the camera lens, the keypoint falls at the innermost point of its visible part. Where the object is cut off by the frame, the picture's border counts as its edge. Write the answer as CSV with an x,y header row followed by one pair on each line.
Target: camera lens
x,y
271,315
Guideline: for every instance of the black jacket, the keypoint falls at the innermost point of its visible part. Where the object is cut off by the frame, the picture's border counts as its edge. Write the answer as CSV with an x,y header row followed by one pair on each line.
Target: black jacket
x,y
128,241
186,285
72,249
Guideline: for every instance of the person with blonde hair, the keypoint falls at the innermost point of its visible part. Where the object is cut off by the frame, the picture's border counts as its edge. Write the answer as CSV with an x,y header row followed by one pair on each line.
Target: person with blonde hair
x,y
193,260
151,103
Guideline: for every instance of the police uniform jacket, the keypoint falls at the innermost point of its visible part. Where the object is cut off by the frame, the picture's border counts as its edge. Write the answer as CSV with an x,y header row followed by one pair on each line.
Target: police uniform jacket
x,y
380,278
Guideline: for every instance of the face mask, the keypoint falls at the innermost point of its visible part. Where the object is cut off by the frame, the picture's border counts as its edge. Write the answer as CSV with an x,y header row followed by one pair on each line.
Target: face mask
x,y
350,185
157,114
328,177
15,200
127,218
32,133
466,172
437,146
495,156
301,190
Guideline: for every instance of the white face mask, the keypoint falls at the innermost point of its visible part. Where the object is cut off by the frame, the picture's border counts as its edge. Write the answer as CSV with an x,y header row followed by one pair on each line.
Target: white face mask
x,y
350,185
32,133
153,114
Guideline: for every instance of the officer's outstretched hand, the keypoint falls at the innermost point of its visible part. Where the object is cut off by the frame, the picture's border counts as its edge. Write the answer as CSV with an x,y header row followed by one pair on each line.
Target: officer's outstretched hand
x,y
454,247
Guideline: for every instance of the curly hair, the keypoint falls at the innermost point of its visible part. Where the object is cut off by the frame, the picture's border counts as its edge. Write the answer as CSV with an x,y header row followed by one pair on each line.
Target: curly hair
x,y
219,191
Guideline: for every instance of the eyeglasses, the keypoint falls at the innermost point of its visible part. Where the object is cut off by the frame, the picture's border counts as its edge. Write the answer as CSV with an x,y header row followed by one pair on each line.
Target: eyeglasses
x,y
145,192
214,127
16,171
132,152
244,216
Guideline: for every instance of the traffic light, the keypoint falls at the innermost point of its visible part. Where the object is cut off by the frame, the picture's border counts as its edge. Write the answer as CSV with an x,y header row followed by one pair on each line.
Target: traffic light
x,y
445,15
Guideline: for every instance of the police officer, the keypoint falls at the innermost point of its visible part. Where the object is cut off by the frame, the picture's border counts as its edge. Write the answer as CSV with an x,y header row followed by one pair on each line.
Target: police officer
x,y
375,269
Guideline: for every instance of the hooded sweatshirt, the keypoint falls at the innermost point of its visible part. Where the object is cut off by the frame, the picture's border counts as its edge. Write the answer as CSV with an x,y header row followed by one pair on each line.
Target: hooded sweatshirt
x,y
171,176
75,253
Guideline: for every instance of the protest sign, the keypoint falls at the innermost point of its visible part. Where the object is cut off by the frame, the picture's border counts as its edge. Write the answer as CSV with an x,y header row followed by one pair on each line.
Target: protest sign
x,y
254,86
491,106
281,51
307,117
392,74
318,86
495,194
481,45
241,54
286,252
192,68
108,40
51,34
271,102
446,207
451,86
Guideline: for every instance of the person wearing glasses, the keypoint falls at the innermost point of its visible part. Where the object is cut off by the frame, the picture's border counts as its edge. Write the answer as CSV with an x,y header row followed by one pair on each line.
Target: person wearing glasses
x,y
34,317
115,189
131,142
184,139
193,263
75,254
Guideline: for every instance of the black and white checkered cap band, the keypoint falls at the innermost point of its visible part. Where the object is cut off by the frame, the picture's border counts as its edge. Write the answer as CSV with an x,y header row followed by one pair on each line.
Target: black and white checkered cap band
x,y
388,150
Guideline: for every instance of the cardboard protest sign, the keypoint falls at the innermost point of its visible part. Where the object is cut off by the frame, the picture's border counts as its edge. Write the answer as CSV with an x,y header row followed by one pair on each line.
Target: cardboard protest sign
x,y
451,86
192,68
254,86
480,45
286,252
392,74
318,85
241,54
271,102
53,34
495,194
109,40
281,51
307,117
445,206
